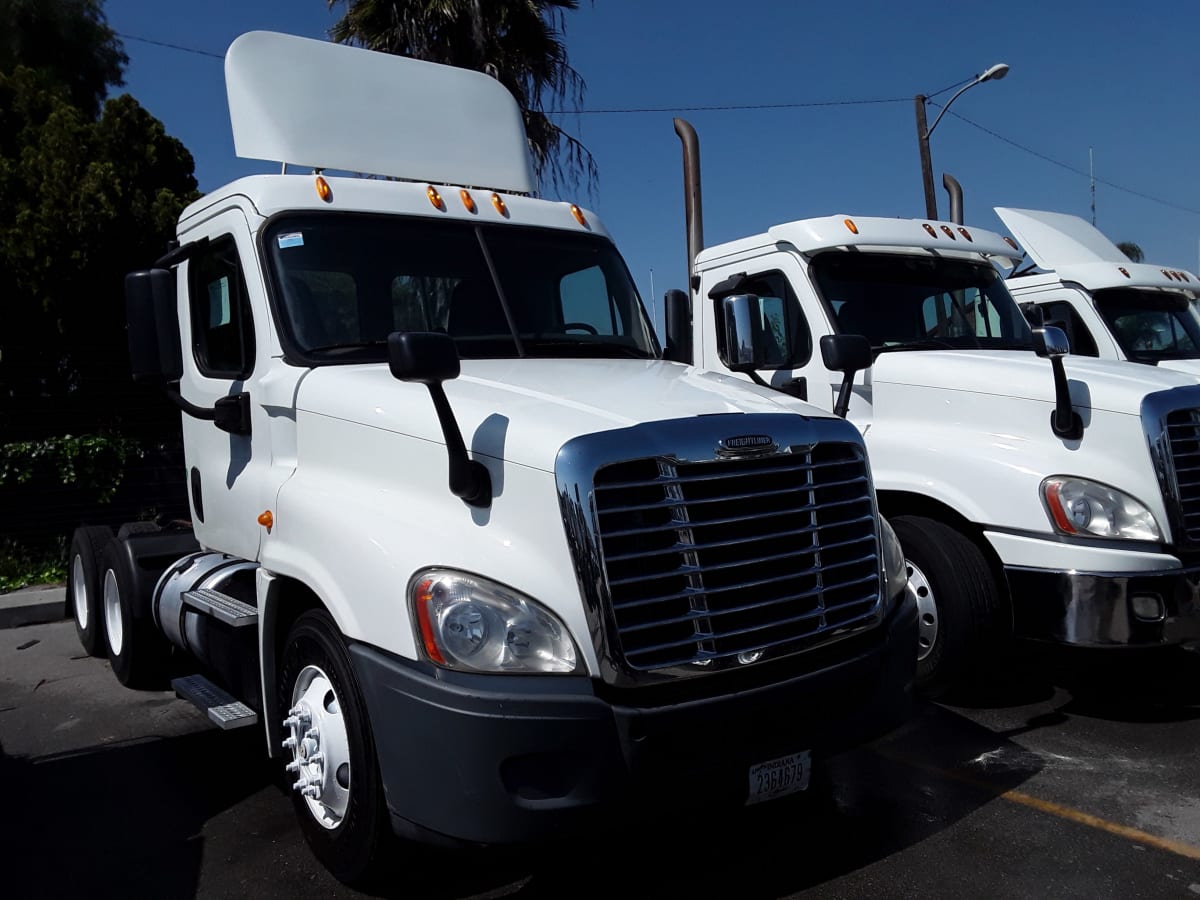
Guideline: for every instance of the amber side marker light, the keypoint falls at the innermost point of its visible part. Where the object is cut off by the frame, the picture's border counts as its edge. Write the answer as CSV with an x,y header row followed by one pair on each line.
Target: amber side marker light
x,y
578,214
850,226
1124,271
949,233
1011,243
434,197
929,228
498,202
468,201
966,234
424,599
324,191
266,520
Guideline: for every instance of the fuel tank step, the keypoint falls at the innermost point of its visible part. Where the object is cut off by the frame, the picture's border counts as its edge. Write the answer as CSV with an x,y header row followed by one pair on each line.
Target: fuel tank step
x,y
225,710
221,606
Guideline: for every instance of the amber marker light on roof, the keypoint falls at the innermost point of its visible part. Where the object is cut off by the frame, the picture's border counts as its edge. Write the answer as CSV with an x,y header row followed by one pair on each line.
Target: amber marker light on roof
x,y
434,197
1124,271
850,226
324,191
498,202
578,214
468,201
946,228
929,228
1011,242
966,234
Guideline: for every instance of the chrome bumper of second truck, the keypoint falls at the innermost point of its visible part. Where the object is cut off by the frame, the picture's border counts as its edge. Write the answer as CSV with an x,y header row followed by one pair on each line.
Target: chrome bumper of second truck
x,y
1106,609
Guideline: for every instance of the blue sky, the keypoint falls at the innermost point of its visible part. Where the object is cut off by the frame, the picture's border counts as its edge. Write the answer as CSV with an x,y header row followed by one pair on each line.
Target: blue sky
x,y
1121,80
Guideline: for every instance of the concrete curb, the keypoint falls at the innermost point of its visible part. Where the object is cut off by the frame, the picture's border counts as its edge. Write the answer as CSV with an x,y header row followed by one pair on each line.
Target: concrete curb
x,y
33,606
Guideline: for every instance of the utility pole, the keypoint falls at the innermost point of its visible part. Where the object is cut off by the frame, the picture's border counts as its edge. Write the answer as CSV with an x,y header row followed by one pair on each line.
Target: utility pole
x,y
926,162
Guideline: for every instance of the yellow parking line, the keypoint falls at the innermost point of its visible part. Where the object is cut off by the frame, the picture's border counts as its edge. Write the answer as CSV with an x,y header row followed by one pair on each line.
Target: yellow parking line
x,y
1179,848
1075,815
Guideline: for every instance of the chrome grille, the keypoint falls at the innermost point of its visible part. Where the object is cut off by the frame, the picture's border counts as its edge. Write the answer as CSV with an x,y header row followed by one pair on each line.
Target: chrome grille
x,y
1183,438
701,564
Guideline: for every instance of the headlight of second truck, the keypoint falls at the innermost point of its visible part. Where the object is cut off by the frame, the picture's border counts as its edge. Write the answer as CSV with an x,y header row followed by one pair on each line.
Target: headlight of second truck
x,y
1078,506
470,623
894,568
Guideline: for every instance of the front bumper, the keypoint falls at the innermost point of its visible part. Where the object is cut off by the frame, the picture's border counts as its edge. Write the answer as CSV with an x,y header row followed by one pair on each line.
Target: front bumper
x,y
1097,608
512,759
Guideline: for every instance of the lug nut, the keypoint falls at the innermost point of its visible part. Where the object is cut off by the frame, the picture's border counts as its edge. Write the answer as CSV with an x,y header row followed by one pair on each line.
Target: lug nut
x,y
289,743
292,767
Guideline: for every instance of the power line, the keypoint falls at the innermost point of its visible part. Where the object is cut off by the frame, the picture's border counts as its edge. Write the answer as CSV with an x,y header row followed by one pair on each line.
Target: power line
x,y
723,108
142,40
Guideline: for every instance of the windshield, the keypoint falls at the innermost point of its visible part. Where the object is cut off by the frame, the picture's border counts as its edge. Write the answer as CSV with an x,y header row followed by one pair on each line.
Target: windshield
x,y
1150,325
920,302
343,282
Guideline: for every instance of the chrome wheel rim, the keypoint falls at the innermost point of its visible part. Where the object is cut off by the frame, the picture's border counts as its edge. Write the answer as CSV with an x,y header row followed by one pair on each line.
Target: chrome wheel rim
x,y
112,613
79,592
320,747
927,614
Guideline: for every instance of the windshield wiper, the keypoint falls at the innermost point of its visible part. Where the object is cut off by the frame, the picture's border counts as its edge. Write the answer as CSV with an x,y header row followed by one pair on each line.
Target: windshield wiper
x,y
346,345
924,344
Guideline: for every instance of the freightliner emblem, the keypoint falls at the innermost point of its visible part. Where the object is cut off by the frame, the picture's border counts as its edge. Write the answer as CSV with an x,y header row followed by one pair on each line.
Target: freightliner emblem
x,y
746,445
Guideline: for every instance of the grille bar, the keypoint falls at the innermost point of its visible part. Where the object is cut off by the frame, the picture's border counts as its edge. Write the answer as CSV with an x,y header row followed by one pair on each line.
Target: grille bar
x,y
724,477
741,519
659,504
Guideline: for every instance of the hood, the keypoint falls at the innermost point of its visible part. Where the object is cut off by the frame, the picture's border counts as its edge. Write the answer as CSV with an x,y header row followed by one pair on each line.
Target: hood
x,y
1054,240
524,410
1187,366
1110,385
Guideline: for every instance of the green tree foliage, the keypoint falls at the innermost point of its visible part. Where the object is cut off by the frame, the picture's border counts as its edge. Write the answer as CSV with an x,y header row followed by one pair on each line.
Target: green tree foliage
x,y
67,42
519,42
86,199
1132,250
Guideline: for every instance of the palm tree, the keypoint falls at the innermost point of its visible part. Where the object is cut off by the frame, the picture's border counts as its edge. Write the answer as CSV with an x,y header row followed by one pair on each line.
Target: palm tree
x,y
1132,250
518,42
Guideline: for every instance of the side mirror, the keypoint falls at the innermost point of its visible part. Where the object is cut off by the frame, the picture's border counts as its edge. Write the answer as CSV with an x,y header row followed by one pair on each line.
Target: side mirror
x,y
744,347
429,358
845,353
155,351
1051,342
1034,314
677,311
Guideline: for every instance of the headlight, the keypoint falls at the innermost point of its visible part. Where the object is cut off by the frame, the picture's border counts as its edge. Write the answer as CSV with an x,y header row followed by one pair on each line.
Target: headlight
x,y
894,569
469,623
1084,507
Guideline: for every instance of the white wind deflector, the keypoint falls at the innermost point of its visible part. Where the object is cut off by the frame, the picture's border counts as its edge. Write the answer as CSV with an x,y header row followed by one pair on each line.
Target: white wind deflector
x,y
1054,240
328,106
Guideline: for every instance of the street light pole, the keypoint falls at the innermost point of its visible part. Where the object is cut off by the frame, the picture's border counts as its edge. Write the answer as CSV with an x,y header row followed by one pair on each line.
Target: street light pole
x,y
992,73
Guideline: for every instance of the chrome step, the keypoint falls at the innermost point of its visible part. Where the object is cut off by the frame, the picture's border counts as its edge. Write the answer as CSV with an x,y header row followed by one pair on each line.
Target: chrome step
x,y
225,710
221,606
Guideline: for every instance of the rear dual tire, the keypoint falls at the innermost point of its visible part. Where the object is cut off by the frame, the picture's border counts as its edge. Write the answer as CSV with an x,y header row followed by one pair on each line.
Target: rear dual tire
x,y
136,650
84,600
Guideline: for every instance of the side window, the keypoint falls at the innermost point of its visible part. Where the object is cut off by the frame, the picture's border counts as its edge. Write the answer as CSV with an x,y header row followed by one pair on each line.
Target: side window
x,y
1062,315
788,342
587,304
222,330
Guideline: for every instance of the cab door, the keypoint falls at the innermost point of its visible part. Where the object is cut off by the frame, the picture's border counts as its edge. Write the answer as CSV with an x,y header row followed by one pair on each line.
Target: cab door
x,y
226,468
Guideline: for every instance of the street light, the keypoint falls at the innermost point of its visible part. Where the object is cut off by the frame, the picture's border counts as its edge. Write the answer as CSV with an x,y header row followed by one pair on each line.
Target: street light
x,y
992,73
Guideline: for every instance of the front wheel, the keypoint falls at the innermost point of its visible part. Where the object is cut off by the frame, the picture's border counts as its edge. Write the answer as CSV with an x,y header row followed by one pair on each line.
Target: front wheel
x,y
961,629
330,752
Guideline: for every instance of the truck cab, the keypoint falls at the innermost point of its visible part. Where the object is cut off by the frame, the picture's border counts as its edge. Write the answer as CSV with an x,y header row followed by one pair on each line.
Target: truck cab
x,y
1035,494
482,566
1109,306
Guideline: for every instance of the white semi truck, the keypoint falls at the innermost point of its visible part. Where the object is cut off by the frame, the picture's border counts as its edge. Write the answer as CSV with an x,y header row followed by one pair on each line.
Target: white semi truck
x,y
1050,498
481,564
1109,306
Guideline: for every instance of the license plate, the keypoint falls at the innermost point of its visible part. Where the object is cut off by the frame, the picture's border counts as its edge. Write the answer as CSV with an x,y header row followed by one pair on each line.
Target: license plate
x,y
779,777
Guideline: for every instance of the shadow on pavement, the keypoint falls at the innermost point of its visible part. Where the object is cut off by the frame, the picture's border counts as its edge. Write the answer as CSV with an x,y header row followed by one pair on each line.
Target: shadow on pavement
x,y
122,820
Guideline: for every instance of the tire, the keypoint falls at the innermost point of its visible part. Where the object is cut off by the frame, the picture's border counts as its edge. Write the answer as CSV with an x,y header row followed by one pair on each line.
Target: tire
x,y
962,628
138,653
344,815
83,586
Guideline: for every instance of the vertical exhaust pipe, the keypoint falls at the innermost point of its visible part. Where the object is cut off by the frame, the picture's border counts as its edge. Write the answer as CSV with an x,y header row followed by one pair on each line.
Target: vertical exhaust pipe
x,y
954,189
691,196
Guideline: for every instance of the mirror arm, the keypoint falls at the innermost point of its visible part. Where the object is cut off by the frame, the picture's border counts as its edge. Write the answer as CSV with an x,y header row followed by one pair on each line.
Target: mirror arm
x,y
1064,421
469,478
842,406
230,413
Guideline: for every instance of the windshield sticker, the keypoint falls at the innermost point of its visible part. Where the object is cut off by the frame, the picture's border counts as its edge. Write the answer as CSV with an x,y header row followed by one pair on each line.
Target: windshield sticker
x,y
291,239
